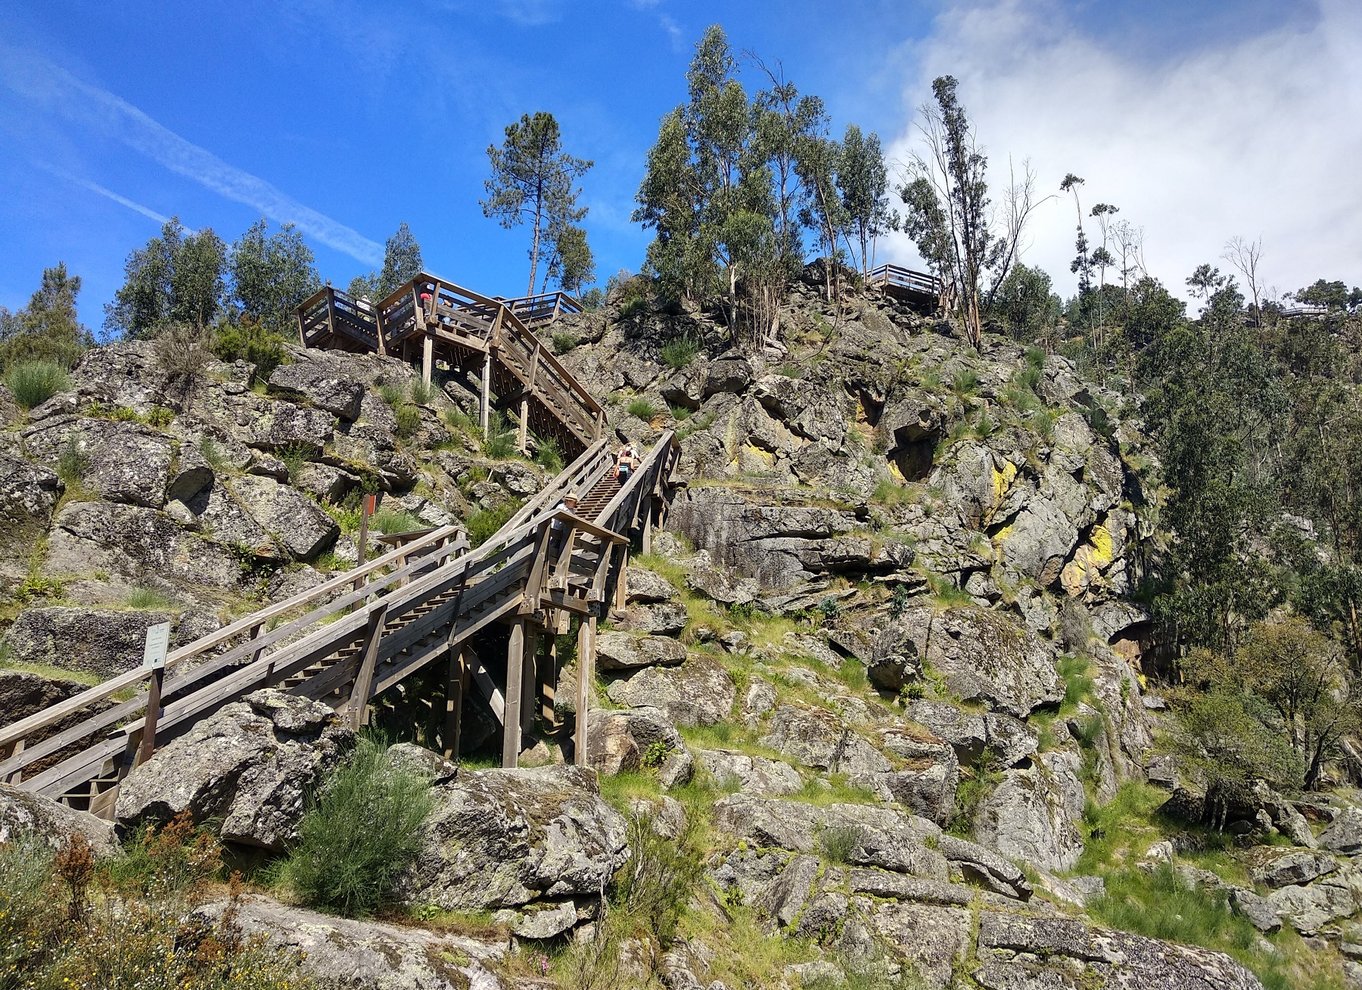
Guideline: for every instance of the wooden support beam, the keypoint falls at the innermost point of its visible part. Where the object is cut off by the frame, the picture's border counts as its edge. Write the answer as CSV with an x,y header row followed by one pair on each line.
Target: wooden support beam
x,y
427,357
515,674
586,673
456,688
485,393
620,590
548,680
364,679
646,538
529,685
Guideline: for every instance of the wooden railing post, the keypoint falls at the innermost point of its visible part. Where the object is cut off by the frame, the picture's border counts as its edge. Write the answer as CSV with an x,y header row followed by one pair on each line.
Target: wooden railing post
x,y
154,659
485,393
455,689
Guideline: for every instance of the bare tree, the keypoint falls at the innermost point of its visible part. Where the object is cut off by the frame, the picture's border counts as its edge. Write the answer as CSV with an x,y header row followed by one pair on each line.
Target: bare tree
x,y
1018,204
1245,257
1129,241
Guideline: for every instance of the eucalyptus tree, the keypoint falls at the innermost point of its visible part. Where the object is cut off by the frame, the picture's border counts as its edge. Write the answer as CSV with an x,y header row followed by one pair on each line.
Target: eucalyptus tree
x,y
863,180
176,277
533,181
271,274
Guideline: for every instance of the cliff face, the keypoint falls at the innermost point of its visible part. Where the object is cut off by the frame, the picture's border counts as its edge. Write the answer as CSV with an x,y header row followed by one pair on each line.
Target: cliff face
x,y
878,677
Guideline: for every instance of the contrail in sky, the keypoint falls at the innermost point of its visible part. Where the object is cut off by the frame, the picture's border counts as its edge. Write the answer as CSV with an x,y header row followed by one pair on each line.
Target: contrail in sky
x,y
95,187
53,88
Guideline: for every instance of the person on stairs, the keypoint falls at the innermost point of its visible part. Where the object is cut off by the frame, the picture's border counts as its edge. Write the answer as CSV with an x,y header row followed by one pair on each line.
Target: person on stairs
x,y
625,463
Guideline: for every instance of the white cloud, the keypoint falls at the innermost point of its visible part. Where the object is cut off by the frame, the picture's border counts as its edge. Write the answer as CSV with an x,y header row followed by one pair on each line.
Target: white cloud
x,y
54,89
1252,136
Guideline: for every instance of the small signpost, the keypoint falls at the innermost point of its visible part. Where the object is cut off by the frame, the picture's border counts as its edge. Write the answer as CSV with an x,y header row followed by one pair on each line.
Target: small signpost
x,y
154,660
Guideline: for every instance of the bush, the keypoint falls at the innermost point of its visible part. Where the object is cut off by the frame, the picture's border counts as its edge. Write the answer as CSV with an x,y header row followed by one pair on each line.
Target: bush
x,y
660,877
408,421
563,341
294,456
30,915
838,842
679,353
34,382
482,524
392,394
390,521
422,392
250,342
641,408
72,462
549,456
500,441
360,834
182,352
146,598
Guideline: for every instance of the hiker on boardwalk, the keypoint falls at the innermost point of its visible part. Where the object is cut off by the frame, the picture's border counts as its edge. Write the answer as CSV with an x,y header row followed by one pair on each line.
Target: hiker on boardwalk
x,y
626,462
428,302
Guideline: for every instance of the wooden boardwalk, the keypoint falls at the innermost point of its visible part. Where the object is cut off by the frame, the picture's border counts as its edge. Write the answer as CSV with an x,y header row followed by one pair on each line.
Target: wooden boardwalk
x,y
425,603
430,603
917,289
490,340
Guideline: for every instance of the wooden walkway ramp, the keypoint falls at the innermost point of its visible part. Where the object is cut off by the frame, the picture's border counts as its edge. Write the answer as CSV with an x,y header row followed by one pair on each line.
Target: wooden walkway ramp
x,y
489,340
422,605
917,289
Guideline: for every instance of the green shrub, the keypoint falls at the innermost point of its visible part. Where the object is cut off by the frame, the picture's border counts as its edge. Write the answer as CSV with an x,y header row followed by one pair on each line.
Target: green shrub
x,y
159,417
457,419
1076,672
642,408
482,524
633,306
965,382
213,455
563,341
838,842
500,440
146,598
72,463
359,834
680,352
974,788
422,392
250,342
549,456
294,456
30,905
392,394
391,521
34,382
182,351
408,421
661,876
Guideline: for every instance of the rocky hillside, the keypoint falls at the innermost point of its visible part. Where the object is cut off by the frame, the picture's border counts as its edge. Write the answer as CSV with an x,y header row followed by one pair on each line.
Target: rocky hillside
x,y
873,714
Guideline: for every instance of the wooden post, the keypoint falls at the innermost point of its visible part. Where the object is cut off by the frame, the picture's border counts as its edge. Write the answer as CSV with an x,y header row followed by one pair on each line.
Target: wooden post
x,y
529,685
600,425
524,440
515,673
646,539
586,673
485,396
364,679
620,579
6,752
427,356
548,681
367,505
153,658
454,695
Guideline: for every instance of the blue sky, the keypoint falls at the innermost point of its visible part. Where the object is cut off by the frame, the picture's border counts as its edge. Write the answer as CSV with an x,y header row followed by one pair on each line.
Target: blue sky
x,y
348,117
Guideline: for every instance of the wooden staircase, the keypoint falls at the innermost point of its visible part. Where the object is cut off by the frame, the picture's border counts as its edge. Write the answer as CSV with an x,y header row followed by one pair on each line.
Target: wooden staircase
x,y
367,630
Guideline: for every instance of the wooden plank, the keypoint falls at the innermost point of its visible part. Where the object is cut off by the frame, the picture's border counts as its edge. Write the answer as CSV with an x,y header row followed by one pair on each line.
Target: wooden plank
x,y
456,686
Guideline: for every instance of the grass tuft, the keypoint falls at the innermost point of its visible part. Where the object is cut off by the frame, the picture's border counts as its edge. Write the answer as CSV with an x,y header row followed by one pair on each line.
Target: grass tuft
x,y
34,382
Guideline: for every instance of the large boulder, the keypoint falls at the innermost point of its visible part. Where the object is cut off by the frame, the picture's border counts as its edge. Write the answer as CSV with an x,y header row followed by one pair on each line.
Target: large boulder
x,y
323,381
822,741
622,651
887,838
1017,951
634,739
28,494
1308,909
293,520
366,955
699,692
140,545
245,770
506,838
1344,834
22,813
759,776
103,642
982,655
1033,814
124,461
933,939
